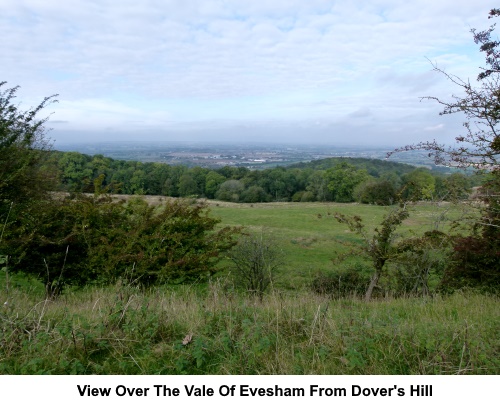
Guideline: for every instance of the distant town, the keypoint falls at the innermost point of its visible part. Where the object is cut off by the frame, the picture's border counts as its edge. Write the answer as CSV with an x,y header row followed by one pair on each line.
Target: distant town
x,y
252,156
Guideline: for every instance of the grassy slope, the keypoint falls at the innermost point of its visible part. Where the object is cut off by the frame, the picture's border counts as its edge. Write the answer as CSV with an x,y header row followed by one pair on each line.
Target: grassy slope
x,y
123,330
311,237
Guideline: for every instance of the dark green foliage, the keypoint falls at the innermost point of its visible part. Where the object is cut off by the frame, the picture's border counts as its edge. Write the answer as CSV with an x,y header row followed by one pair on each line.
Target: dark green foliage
x,y
176,242
475,263
254,194
303,196
380,192
418,267
84,239
476,257
341,182
188,186
374,167
457,187
212,182
76,172
343,179
230,190
418,185
23,151
55,240
26,171
347,283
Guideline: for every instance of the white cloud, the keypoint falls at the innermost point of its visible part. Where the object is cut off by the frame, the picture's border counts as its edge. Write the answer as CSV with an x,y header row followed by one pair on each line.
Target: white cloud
x,y
186,62
433,128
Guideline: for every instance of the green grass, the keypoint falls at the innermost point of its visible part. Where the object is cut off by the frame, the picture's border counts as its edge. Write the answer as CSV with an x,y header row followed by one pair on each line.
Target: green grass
x,y
121,330
311,238
125,330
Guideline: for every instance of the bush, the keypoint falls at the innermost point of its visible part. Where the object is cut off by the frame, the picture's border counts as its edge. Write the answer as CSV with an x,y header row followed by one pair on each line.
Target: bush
x,y
417,267
49,241
230,190
353,280
23,151
307,196
416,273
475,263
256,259
85,239
176,242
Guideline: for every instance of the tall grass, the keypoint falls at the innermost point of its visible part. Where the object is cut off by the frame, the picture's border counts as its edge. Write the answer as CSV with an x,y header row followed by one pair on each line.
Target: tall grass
x,y
215,330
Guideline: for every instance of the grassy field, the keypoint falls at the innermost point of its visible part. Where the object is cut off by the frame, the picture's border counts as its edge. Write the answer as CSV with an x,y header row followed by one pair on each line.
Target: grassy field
x,y
214,329
311,238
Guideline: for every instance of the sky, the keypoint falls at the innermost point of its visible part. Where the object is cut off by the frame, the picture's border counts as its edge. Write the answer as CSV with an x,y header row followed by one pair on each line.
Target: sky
x,y
283,71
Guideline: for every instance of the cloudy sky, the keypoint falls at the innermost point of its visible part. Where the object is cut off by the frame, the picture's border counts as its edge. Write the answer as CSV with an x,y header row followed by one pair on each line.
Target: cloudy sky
x,y
313,71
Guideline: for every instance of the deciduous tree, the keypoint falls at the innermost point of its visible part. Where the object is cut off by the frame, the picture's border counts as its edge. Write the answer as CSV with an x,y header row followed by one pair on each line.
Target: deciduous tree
x,y
343,179
381,246
476,258
23,147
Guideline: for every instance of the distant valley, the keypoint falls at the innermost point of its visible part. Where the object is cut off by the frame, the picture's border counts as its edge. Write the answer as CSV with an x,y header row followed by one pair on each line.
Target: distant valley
x,y
251,156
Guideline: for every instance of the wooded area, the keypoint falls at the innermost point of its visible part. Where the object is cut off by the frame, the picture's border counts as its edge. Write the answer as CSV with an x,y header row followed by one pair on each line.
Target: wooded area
x,y
368,181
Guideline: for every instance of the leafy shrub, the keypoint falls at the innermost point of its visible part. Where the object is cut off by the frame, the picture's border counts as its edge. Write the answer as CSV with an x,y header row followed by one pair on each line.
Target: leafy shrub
x,y
297,197
256,259
416,273
307,196
353,280
230,190
475,261
418,266
54,240
254,194
83,239
176,242
23,151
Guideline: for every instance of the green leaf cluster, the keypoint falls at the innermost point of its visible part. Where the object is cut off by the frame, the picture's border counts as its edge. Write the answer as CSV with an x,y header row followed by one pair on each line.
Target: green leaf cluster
x,y
83,239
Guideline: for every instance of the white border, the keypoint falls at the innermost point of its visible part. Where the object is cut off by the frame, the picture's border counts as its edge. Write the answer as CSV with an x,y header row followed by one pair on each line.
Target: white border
x,y
55,390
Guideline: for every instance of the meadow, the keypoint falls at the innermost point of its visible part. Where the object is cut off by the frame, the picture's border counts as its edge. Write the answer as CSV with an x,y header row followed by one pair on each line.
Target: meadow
x,y
213,328
312,240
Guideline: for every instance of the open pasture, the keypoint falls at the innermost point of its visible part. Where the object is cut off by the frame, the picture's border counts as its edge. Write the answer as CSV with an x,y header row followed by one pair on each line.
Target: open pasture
x,y
312,239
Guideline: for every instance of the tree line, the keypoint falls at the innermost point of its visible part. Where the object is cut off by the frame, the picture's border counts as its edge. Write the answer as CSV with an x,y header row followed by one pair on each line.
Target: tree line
x,y
368,181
